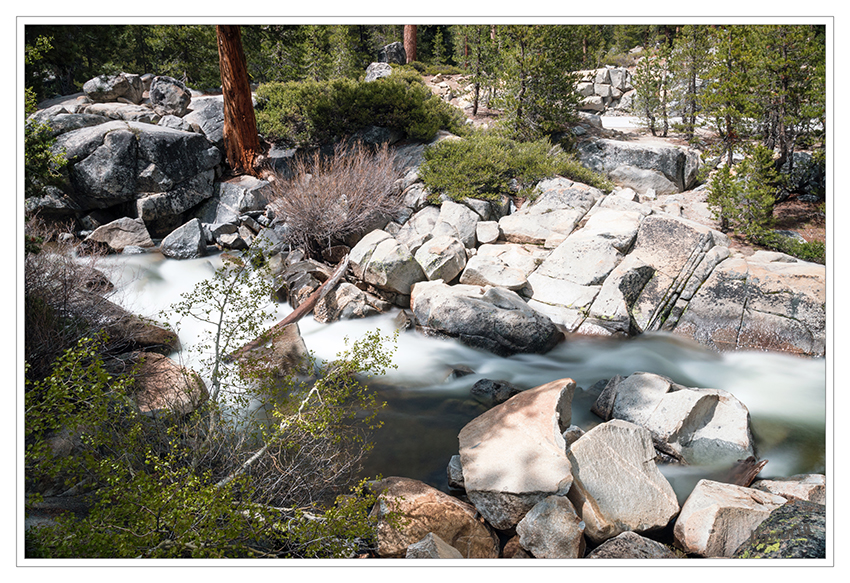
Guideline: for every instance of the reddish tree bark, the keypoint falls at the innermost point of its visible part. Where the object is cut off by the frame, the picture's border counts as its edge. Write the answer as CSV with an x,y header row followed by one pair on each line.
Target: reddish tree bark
x,y
410,42
241,140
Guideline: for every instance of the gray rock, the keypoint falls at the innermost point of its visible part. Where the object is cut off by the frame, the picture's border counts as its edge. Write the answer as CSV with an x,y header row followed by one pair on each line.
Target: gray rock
x,y
442,257
377,71
489,318
487,232
419,228
432,547
118,161
669,165
381,260
186,242
558,209
552,530
490,270
808,487
345,302
462,218
454,473
393,53
207,113
630,545
234,197
169,96
754,303
694,425
123,111
112,87
490,392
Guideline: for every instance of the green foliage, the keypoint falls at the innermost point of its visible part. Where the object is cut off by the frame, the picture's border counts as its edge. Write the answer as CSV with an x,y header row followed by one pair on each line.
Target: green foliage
x,y
225,480
744,201
42,164
485,165
814,251
652,82
312,113
538,96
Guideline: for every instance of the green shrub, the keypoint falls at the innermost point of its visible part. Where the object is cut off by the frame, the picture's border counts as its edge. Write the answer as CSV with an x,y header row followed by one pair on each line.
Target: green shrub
x,y
814,251
485,165
310,113
744,200
43,166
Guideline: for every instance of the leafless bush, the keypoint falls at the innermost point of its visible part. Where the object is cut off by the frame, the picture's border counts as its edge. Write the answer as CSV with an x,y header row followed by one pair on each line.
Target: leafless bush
x,y
65,299
329,198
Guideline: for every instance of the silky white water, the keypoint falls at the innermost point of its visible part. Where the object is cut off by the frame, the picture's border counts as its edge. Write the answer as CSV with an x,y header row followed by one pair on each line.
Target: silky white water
x,y
427,404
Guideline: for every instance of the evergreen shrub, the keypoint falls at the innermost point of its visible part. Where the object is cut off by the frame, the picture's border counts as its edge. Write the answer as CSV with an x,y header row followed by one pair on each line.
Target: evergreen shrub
x,y
311,113
486,165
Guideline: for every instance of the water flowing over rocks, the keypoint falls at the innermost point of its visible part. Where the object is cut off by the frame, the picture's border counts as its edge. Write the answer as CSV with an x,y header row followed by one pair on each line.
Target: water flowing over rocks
x,y
571,260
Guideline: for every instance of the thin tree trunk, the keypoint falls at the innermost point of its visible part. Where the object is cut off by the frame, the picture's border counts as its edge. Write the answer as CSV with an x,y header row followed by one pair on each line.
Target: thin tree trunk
x,y
302,310
410,42
241,140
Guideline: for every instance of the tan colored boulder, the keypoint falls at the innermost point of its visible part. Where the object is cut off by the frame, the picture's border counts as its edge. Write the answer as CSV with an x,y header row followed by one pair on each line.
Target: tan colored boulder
x,y
513,456
617,487
420,510
121,233
163,385
717,518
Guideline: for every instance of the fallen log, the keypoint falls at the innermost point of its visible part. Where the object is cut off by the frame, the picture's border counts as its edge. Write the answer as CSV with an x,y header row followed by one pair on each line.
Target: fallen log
x,y
302,310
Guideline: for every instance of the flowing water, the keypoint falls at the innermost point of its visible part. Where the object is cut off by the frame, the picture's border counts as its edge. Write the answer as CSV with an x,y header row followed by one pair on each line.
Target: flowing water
x,y
428,397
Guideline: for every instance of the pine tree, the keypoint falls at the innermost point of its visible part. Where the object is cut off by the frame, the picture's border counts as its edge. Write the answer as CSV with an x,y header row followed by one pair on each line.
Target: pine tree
x,y
689,61
726,100
536,64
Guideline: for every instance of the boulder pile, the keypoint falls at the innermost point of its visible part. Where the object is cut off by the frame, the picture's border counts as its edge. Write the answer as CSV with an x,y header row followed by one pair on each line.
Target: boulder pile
x,y
548,489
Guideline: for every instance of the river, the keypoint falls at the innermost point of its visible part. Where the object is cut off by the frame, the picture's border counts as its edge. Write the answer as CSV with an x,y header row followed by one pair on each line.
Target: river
x,y
428,402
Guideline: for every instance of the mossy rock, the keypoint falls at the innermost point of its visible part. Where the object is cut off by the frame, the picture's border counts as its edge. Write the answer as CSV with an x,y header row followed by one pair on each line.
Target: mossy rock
x,y
796,530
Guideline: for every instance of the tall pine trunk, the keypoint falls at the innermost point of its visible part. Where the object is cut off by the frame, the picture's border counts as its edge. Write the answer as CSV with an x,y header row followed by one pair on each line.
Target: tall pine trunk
x,y
410,42
241,140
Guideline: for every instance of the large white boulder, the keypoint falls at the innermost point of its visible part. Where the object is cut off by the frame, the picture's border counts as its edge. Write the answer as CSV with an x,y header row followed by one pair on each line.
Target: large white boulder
x,y
513,456
616,485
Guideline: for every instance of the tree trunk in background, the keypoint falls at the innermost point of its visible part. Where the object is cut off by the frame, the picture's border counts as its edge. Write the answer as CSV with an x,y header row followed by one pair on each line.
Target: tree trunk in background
x,y
241,140
410,42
